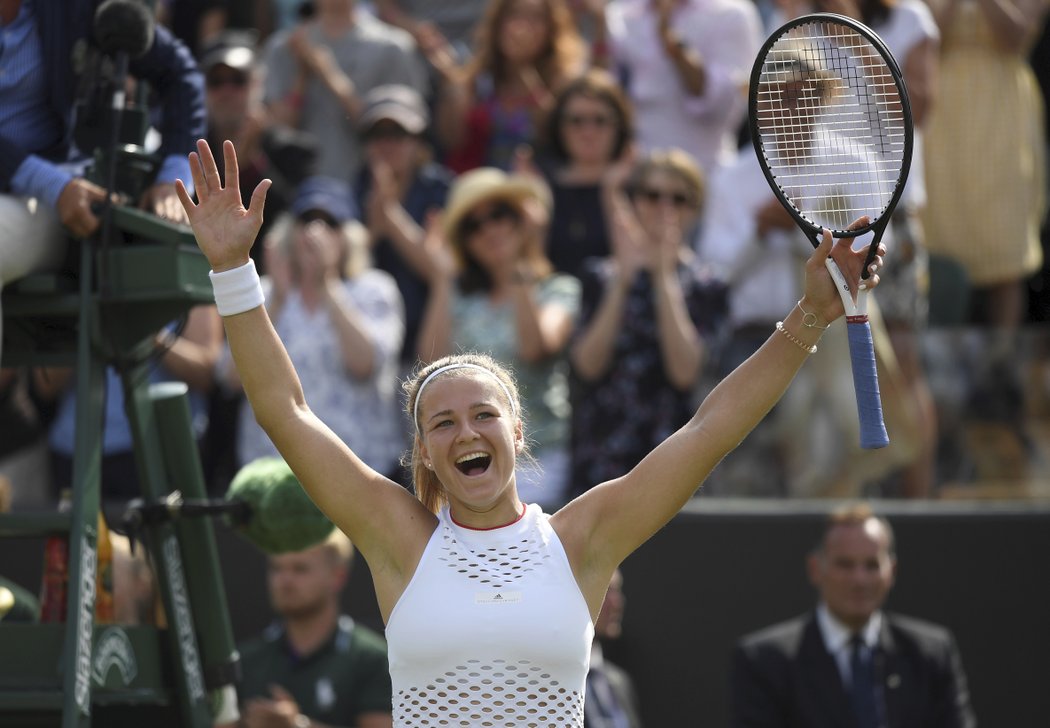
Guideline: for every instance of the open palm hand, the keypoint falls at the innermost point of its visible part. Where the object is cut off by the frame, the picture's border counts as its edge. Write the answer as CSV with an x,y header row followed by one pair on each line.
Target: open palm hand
x,y
224,228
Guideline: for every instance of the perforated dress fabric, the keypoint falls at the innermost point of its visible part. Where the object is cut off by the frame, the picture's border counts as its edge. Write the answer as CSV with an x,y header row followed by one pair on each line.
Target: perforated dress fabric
x,y
492,631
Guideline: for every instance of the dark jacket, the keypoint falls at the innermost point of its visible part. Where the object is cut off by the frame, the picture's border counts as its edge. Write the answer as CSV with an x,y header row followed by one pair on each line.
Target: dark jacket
x,y
784,676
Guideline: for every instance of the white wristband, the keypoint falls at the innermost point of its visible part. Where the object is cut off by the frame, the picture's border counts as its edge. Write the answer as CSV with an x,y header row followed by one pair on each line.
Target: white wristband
x,y
237,290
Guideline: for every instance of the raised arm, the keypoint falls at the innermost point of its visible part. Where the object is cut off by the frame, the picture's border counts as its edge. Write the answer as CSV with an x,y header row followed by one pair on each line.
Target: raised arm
x,y
387,524
604,525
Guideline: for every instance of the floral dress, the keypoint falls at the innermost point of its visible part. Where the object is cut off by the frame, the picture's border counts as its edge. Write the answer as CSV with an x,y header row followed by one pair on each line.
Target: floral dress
x,y
618,419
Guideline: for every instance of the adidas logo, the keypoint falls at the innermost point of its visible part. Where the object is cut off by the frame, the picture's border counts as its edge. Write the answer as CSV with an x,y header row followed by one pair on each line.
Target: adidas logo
x,y
497,597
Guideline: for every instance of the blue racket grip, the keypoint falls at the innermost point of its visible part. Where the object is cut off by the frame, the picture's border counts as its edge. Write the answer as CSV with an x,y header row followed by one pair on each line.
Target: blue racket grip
x,y
866,384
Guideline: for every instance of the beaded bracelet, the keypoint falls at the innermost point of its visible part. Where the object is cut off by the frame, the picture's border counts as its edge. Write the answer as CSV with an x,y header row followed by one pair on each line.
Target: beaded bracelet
x,y
809,319
795,340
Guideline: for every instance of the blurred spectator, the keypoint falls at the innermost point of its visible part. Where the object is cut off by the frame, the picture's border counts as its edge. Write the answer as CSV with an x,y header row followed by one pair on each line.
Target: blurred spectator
x,y
908,29
589,129
494,291
611,698
264,150
759,249
985,162
317,74
986,179
236,113
341,321
44,194
442,22
195,22
314,667
187,355
849,663
526,51
645,314
399,186
685,65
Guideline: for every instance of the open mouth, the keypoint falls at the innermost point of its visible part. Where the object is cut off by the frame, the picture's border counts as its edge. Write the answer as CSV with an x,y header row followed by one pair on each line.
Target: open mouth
x,y
475,463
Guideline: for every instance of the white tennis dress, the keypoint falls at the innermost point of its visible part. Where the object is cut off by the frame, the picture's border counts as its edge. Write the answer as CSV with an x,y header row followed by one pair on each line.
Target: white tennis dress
x,y
492,631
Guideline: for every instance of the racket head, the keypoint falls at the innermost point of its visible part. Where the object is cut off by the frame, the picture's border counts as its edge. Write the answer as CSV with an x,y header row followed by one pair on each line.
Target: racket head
x,y
831,124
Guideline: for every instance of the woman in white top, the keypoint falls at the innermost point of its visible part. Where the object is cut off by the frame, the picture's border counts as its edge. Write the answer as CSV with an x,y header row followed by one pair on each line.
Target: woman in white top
x,y
489,603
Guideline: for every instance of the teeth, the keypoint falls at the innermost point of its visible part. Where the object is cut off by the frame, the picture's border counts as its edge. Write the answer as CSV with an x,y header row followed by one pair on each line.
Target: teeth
x,y
471,456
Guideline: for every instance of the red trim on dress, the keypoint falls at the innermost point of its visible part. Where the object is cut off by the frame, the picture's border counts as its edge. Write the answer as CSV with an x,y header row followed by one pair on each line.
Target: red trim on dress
x,y
489,528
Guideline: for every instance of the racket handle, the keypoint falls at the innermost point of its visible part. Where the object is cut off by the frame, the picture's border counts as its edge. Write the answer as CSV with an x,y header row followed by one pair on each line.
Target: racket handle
x,y
866,385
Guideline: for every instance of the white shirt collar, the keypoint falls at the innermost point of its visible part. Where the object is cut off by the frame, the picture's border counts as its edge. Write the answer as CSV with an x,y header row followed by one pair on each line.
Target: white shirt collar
x,y
837,635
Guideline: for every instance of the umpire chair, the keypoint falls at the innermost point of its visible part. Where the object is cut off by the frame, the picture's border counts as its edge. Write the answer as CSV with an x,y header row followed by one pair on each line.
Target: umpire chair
x,y
138,275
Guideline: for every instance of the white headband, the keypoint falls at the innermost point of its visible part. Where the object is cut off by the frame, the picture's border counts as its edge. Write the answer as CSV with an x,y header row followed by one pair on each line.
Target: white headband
x,y
447,367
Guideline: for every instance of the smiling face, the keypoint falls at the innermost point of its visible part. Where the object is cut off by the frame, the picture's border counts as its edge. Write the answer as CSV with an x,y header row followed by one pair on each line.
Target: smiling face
x,y
470,437
854,571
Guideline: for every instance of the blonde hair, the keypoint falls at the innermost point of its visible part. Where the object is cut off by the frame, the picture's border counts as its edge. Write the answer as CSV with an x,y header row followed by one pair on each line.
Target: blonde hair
x,y
429,490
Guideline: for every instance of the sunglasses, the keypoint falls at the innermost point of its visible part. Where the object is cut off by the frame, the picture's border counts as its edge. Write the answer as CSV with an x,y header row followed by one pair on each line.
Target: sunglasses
x,y
237,80
500,212
599,121
654,196
386,132
318,215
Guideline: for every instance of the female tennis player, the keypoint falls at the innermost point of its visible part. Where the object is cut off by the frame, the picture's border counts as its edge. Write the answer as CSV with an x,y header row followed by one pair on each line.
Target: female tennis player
x,y
489,603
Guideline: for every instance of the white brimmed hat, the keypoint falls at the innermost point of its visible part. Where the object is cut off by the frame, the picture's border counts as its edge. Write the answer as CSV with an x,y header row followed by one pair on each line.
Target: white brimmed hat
x,y
488,183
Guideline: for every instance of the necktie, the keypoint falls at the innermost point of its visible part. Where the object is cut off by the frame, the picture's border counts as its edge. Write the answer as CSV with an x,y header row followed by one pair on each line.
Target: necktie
x,y
602,707
862,688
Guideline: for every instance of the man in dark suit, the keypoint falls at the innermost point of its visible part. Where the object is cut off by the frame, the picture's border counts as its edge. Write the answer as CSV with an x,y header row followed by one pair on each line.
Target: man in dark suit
x,y
611,699
848,664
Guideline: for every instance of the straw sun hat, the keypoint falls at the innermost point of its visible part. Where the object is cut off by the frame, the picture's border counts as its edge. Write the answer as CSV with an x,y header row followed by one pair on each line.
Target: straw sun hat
x,y
488,183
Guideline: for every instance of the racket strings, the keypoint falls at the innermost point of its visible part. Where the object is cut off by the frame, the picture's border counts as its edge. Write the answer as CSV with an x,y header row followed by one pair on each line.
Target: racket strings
x,y
831,123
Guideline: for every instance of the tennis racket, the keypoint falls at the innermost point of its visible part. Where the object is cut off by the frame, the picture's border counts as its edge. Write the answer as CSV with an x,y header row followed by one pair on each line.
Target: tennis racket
x,y
831,124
